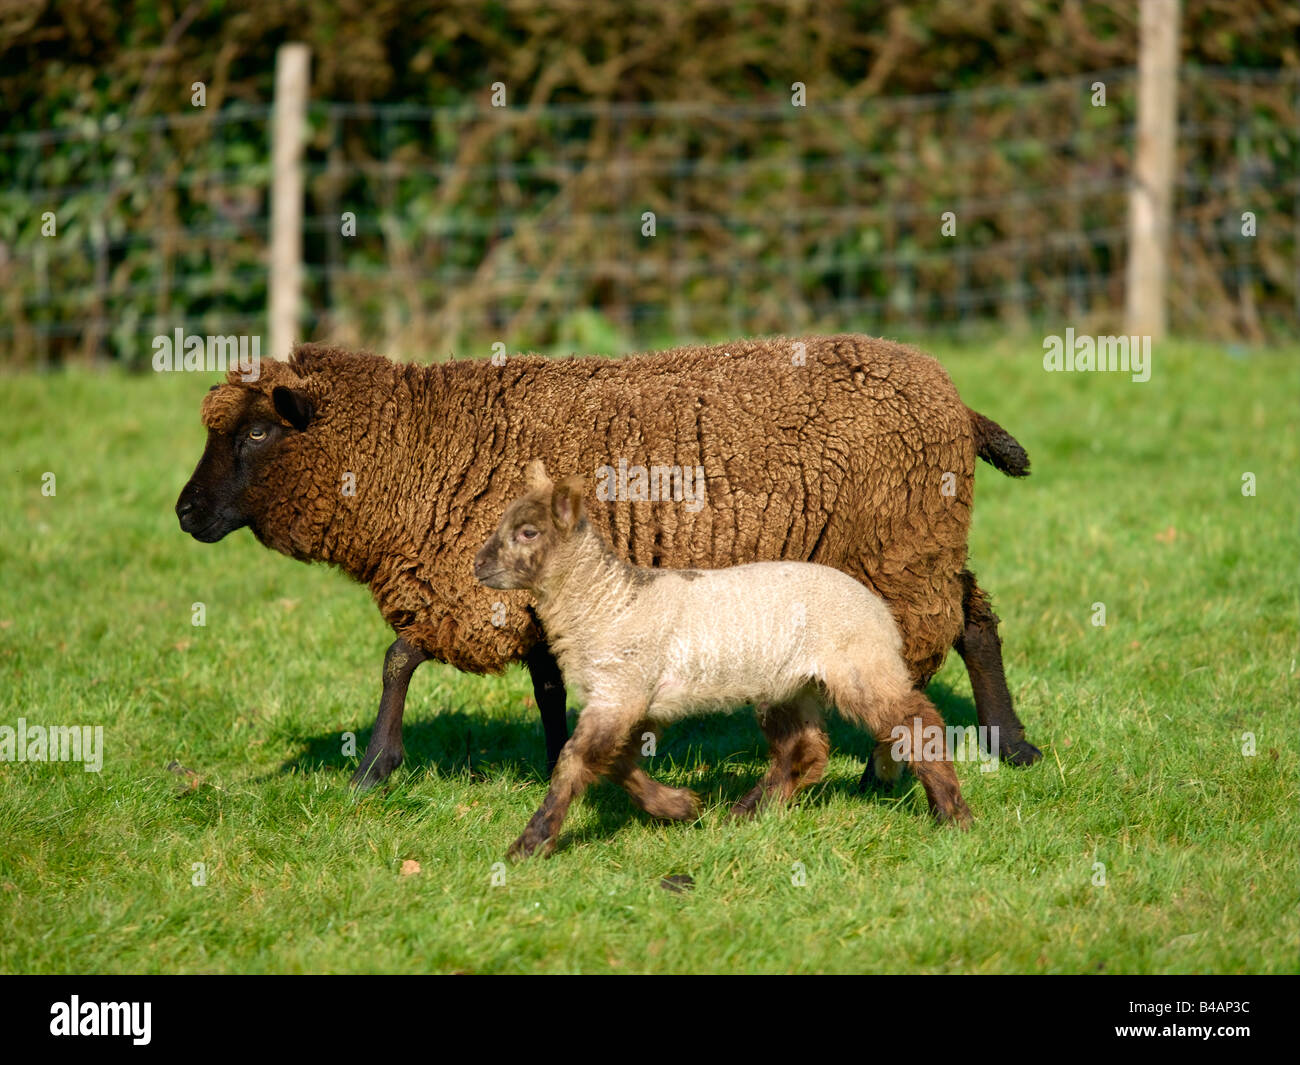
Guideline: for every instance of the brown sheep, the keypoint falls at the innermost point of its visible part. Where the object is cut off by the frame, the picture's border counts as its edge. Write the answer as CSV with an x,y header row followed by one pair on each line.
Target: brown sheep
x,y
845,450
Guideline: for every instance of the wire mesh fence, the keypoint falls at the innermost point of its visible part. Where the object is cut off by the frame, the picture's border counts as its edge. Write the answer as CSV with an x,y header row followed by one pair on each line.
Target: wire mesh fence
x,y
430,231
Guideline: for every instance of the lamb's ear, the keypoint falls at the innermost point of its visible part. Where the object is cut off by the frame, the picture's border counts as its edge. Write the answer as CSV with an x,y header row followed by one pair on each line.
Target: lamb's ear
x,y
566,504
293,406
535,476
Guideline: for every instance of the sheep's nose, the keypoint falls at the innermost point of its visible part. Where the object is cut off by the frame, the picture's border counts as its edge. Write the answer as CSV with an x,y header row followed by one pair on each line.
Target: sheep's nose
x,y
183,507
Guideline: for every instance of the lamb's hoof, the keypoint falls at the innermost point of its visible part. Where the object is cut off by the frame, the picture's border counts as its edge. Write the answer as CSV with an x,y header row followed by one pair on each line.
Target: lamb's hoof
x,y
528,844
748,806
374,771
958,817
673,804
1019,753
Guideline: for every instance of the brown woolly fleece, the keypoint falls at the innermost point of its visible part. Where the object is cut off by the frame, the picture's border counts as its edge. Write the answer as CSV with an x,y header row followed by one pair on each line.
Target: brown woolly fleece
x,y
840,461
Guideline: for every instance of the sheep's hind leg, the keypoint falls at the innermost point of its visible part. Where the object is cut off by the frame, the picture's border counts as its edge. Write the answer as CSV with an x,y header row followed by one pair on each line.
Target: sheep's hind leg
x,y
658,800
384,751
590,753
980,648
798,746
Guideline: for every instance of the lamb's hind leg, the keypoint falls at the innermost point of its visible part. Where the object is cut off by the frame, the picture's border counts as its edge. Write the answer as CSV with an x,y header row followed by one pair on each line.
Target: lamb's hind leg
x,y
590,753
798,746
658,800
896,713
924,728
384,751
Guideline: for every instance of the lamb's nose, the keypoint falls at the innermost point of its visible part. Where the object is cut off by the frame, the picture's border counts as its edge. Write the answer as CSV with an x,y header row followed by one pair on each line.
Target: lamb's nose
x,y
183,507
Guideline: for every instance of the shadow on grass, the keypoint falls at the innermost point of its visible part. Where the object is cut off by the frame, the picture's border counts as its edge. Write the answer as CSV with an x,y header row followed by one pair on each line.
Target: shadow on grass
x,y
720,756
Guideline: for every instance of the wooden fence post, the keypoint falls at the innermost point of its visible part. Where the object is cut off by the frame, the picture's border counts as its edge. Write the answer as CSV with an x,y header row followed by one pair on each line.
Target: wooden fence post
x,y
1152,190
287,139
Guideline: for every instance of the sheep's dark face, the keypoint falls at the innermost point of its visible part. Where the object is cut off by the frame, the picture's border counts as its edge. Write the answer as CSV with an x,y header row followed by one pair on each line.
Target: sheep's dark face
x,y
239,455
536,526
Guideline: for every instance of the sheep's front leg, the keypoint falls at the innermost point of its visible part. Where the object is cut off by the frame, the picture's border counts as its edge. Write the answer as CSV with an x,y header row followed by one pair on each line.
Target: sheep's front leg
x,y
589,754
548,693
384,752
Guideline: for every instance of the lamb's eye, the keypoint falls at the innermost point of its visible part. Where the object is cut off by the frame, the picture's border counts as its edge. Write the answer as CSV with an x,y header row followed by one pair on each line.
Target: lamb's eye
x,y
256,434
526,535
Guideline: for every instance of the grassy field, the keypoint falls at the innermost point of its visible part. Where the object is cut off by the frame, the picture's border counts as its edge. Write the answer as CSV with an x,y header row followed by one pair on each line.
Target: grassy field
x,y
1135,502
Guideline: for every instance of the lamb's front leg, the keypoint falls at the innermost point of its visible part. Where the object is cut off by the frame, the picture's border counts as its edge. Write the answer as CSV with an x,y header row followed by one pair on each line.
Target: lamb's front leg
x,y
658,800
590,753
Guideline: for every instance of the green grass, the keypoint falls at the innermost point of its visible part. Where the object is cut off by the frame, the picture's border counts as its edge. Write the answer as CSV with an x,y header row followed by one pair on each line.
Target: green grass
x,y
1135,502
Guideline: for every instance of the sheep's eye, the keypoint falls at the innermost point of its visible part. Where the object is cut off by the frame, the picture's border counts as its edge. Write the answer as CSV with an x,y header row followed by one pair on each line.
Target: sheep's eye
x,y
526,535
256,434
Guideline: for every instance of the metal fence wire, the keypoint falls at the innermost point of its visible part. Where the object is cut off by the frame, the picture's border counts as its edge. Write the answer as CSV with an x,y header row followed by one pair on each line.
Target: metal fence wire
x,y
431,231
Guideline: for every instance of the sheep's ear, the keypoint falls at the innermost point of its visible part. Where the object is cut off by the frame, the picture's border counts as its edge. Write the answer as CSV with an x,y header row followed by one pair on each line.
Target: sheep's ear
x,y
566,504
293,406
535,476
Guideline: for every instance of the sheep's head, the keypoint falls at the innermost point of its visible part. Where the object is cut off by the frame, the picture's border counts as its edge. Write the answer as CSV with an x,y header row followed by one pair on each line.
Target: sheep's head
x,y
535,529
252,429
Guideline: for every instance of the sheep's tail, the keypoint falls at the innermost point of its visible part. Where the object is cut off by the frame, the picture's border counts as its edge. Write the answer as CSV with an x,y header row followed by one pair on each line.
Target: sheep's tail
x,y
998,447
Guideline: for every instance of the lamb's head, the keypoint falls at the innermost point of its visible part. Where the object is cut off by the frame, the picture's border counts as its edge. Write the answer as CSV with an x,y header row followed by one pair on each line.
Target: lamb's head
x,y
535,535
254,429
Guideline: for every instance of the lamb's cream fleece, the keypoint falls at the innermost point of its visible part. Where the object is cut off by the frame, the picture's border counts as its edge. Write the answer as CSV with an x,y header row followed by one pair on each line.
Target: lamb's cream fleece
x,y
662,644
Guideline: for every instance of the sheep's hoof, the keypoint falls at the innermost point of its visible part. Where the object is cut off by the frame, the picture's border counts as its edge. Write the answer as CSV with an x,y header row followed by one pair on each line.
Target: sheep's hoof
x,y
373,771
1020,753
872,780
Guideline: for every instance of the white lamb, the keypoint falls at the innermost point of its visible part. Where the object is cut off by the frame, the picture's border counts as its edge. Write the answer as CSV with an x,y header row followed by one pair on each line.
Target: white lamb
x,y
643,647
